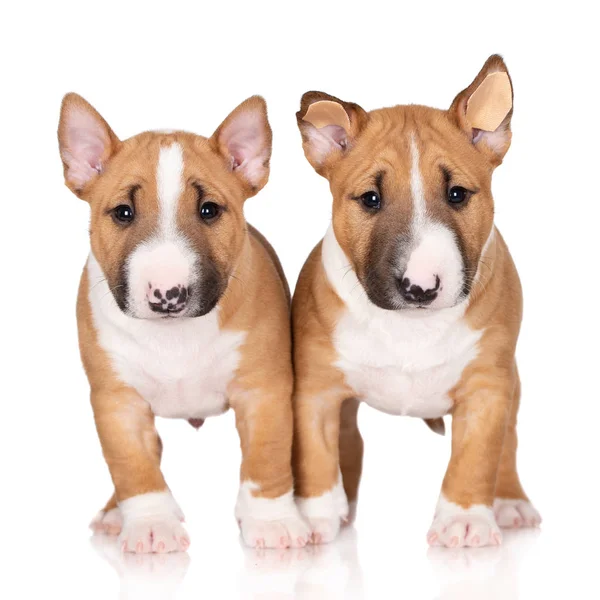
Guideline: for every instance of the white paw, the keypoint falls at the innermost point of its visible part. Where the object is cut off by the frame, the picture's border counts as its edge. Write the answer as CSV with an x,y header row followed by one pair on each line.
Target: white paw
x,y
284,533
158,534
457,527
511,513
152,523
325,513
324,530
108,523
269,522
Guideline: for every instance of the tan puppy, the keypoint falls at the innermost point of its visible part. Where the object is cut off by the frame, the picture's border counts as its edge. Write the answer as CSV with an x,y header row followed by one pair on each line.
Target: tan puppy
x,y
412,304
172,318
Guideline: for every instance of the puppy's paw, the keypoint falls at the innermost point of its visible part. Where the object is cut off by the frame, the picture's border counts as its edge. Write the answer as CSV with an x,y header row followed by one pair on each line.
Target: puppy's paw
x,y
269,522
324,530
152,523
457,527
154,535
325,513
107,523
290,532
513,513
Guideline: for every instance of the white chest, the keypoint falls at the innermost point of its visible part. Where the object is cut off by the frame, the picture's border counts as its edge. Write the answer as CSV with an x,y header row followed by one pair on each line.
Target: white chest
x,y
180,367
404,366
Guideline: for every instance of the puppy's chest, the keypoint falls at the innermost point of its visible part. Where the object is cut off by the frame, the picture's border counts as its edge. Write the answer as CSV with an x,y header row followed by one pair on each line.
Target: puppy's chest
x,y
403,366
181,369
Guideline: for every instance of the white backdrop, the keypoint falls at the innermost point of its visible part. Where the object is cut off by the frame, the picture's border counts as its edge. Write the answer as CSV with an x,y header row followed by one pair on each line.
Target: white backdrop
x,y
186,65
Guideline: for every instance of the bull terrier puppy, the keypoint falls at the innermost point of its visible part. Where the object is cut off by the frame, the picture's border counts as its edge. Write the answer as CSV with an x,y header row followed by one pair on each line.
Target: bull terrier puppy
x,y
183,312
412,304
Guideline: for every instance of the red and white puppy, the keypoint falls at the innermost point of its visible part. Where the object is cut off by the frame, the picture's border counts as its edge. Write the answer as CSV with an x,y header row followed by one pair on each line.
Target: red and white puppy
x,y
412,304
172,318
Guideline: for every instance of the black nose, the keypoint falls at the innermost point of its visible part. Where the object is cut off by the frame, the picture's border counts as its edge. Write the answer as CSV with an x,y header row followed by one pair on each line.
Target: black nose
x,y
415,294
171,301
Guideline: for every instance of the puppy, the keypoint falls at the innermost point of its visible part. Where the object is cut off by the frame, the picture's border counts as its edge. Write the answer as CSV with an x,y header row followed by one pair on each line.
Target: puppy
x,y
183,312
412,304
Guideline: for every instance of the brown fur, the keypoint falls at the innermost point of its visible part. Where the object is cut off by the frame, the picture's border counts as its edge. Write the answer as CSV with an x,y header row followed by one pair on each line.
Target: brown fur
x,y
260,392
485,400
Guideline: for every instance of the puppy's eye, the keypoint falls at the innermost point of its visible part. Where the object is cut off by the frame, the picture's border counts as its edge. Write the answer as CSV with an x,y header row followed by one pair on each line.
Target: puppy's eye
x,y
123,214
371,200
209,211
457,194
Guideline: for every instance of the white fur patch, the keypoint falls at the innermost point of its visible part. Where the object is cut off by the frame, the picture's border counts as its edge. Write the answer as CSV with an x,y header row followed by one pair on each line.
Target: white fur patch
x,y
181,367
109,522
454,526
416,187
169,181
152,523
269,522
401,362
165,260
514,513
435,253
326,512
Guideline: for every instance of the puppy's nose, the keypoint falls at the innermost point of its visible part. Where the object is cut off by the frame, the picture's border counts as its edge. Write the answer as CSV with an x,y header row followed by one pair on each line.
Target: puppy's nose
x,y
415,294
168,300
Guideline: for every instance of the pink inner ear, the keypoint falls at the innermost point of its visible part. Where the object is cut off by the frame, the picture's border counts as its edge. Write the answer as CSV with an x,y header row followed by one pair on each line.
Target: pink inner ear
x,y
325,140
86,140
246,142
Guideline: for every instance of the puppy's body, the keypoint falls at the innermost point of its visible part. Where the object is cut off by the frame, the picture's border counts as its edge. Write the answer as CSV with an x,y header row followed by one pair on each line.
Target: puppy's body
x,y
183,312
413,306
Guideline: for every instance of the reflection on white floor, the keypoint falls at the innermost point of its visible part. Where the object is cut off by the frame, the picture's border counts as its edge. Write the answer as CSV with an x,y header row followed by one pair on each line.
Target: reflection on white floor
x,y
146,576
326,572
490,573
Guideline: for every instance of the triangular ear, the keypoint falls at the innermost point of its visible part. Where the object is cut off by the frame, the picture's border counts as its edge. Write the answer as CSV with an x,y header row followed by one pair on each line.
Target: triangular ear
x,y
484,109
244,140
85,140
329,127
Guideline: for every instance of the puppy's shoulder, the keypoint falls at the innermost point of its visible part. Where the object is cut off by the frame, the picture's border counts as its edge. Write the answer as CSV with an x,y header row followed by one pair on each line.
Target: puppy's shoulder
x,y
315,303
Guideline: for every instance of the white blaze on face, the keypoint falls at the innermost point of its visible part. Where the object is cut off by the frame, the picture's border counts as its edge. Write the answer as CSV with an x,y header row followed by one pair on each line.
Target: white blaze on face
x,y
165,260
434,252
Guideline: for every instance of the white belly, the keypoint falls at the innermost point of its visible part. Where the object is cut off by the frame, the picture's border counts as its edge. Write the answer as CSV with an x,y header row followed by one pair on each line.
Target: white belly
x,y
180,367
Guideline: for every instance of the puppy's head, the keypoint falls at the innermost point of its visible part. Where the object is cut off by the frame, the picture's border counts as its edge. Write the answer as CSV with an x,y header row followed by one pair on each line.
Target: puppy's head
x,y
167,223
412,204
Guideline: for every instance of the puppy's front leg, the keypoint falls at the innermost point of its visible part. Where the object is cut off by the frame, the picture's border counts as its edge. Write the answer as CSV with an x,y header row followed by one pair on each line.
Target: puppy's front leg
x,y
265,508
131,447
464,514
319,486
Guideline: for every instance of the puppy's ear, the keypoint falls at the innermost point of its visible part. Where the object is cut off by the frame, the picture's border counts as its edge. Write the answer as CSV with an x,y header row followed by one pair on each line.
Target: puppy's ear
x,y
329,127
244,140
484,109
85,140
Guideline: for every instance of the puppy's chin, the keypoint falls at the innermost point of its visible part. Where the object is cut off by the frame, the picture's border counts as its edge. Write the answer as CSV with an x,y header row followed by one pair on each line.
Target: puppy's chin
x,y
197,308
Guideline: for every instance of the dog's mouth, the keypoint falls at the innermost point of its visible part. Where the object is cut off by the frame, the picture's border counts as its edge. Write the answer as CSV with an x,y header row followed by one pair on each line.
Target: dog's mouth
x,y
169,312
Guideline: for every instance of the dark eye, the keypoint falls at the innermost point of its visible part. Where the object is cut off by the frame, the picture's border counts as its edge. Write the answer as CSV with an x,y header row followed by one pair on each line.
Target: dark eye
x,y
209,211
123,214
371,200
457,194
